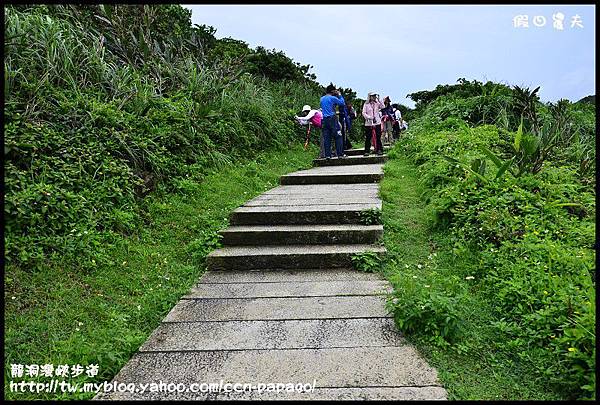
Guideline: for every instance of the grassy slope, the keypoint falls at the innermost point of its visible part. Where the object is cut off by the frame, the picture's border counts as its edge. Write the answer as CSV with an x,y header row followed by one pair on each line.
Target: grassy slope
x,y
472,368
58,316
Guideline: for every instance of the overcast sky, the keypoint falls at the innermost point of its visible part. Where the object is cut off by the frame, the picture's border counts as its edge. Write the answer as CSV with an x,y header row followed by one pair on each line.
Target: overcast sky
x,y
399,49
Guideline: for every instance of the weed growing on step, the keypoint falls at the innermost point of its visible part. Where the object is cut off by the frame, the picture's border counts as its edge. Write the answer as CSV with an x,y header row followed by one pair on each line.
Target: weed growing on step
x,y
367,261
371,216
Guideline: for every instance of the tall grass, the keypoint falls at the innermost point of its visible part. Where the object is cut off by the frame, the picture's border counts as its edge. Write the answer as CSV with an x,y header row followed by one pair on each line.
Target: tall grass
x,y
94,121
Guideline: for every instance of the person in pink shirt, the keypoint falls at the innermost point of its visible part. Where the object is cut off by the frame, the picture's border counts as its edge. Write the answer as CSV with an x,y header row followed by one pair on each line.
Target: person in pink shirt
x,y
370,113
312,118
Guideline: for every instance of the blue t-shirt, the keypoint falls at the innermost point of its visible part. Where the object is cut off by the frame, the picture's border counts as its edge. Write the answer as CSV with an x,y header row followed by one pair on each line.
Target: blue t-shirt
x,y
343,110
389,110
328,103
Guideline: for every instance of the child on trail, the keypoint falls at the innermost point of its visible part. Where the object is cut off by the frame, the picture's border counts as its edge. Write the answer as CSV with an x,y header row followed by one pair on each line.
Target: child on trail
x,y
370,113
311,118
329,101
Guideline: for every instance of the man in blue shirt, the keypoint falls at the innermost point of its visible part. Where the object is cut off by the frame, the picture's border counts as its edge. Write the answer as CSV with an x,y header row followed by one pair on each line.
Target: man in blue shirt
x,y
329,124
345,124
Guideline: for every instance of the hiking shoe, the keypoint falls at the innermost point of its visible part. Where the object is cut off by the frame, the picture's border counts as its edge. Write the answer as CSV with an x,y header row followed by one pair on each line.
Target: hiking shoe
x,y
365,154
380,153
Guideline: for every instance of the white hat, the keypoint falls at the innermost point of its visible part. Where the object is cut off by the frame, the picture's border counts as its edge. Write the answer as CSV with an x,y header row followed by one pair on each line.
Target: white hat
x,y
306,108
372,93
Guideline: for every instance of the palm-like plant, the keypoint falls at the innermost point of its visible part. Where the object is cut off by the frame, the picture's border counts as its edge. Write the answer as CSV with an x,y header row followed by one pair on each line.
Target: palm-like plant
x,y
525,102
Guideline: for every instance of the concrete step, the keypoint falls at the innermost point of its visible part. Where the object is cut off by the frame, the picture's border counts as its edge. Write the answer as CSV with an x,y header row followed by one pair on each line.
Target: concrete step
x,y
301,234
301,214
331,368
286,256
262,309
351,160
426,393
290,275
268,335
290,289
317,190
330,199
370,173
361,151
319,194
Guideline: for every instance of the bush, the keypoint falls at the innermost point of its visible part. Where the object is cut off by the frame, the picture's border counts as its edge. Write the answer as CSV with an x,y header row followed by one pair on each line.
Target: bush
x,y
532,235
432,312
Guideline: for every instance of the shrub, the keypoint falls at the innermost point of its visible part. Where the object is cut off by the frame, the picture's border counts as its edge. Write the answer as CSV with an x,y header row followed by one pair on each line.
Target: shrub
x,y
432,312
531,230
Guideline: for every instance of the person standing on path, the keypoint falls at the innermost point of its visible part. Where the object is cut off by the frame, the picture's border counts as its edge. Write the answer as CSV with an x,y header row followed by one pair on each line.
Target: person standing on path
x,y
349,118
397,123
329,126
343,122
370,112
387,114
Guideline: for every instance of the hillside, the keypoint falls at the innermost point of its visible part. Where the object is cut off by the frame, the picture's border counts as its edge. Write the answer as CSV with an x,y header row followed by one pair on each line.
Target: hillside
x,y
588,99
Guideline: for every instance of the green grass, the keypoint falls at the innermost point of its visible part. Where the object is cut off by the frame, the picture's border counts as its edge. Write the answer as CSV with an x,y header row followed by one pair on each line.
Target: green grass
x,y
472,367
64,316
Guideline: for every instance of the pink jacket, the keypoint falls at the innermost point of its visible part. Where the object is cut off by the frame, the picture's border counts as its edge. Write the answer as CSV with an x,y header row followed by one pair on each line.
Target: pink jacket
x,y
370,112
316,119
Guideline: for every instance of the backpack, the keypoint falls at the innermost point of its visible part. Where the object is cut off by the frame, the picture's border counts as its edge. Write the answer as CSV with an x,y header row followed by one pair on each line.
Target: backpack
x,y
317,119
352,113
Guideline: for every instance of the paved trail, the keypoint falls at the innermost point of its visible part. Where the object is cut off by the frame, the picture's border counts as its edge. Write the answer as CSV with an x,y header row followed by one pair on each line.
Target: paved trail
x,y
280,302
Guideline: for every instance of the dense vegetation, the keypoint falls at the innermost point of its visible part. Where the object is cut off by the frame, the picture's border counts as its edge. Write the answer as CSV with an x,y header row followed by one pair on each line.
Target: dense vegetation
x,y
104,103
510,185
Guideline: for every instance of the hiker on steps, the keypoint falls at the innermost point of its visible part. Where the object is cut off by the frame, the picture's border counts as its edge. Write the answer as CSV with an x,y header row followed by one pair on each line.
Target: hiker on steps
x,y
312,118
397,122
328,102
343,122
387,114
370,112
349,118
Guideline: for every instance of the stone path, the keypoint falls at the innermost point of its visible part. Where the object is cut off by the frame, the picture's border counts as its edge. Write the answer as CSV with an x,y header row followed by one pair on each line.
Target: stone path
x,y
280,302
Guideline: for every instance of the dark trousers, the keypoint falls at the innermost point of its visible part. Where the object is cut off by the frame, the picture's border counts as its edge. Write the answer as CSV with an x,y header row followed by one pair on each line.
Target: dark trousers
x,y
369,134
343,129
346,127
396,130
330,131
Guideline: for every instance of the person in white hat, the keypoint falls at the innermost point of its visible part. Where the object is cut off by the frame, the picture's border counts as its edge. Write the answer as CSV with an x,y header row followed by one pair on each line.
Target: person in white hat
x,y
312,118
371,114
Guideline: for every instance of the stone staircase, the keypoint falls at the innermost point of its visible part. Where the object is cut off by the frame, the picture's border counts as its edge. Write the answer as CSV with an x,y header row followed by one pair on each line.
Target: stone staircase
x,y
313,220
280,302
